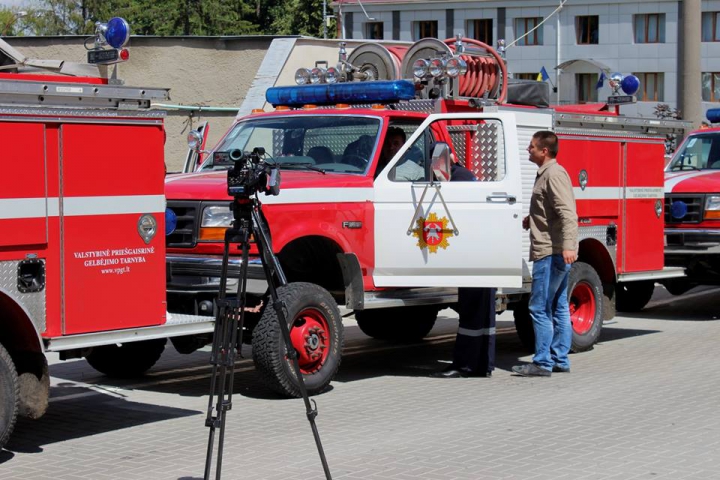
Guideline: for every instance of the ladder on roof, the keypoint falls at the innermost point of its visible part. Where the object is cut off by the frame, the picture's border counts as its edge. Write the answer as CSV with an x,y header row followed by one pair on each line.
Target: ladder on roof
x,y
71,94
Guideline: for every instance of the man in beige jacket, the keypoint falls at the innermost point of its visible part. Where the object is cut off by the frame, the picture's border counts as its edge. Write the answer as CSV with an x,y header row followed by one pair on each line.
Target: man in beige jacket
x,y
553,248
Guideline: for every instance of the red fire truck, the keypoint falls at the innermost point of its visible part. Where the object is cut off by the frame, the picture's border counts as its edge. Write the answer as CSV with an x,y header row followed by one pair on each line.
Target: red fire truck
x,y
388,238
692,208
82,265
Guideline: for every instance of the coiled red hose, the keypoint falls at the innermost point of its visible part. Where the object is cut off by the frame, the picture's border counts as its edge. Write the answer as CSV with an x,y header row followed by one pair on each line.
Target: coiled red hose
x,y
482,72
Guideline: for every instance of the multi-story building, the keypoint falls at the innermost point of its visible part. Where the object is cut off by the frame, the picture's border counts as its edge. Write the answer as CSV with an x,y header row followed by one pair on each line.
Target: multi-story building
x,y
576,43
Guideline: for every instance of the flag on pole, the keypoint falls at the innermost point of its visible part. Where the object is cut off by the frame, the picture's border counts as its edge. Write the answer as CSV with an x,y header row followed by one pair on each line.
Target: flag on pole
x,y
601,80
543,75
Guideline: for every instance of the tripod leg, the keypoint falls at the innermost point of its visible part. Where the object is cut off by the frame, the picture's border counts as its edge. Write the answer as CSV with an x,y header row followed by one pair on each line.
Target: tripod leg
x,y
268,259
229,320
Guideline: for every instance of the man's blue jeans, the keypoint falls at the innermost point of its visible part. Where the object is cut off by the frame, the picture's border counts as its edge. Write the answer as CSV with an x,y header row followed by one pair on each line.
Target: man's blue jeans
x,y
550,313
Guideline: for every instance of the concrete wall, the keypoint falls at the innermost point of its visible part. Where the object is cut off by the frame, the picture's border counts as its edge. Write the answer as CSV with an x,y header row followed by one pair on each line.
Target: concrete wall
x,y
208,71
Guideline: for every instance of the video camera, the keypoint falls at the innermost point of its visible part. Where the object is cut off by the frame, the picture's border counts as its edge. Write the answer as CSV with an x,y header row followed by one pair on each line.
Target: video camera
x,y
250,172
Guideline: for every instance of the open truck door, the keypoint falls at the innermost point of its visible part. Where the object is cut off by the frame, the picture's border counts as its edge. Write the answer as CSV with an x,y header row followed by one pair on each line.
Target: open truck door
x,y
430,232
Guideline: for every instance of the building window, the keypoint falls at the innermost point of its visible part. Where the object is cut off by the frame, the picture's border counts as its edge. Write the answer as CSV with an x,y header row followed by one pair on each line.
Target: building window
x,y
586,30
481,29
523,26
586,83
426,29
710,31
711,86
652,87
525,76
374,30
650,28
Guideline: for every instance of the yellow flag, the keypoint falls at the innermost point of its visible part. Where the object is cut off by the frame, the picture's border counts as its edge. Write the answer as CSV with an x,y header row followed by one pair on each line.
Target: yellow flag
x,y
540,77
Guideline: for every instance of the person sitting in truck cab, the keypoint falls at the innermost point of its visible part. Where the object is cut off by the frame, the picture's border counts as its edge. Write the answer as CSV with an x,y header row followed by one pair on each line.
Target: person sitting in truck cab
x,y
321,154
406,169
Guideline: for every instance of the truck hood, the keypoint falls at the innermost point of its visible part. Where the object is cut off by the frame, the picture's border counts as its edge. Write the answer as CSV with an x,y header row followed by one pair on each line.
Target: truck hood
x,y
213,185
692,181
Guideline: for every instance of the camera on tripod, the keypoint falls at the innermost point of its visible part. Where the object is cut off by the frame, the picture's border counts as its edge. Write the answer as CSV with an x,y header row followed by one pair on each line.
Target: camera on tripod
x,y
250,173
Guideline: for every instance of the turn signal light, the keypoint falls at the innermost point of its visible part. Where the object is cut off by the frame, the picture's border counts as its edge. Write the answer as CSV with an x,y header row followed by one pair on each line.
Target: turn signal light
x,y
209,234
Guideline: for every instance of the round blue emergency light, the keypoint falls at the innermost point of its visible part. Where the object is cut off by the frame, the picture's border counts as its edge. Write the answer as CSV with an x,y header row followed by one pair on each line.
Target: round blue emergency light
x,y
333,93
170,221
678,209
117,33
630,84
713,115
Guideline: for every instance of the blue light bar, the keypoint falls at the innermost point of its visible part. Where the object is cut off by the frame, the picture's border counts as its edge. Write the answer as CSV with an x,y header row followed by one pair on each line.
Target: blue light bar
x,y
713,115
334,93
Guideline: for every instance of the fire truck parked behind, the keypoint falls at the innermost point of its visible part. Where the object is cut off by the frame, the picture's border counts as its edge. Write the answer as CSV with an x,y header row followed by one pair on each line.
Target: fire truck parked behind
x,y
82,251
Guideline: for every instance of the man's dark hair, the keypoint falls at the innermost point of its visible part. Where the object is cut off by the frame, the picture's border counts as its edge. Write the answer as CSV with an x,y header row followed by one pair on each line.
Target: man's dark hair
x,y
392,131
547,139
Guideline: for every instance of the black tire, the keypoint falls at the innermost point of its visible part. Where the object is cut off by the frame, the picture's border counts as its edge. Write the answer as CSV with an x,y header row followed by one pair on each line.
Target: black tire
x,y
633,296
9,396
585,296
523,325
127,360
308,307
402,324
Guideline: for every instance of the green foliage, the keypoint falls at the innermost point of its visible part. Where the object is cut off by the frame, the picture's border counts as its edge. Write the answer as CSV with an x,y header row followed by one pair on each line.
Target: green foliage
x,y
173,17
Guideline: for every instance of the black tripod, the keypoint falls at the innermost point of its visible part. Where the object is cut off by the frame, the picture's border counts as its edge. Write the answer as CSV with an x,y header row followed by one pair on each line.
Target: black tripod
x,y
229,324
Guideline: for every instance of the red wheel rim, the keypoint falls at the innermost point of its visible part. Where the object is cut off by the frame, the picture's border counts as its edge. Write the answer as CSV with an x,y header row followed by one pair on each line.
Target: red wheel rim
x,y
310,336
582,308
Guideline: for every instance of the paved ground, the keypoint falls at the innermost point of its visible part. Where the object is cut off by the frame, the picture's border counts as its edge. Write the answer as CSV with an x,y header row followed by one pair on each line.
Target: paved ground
x,y
642,405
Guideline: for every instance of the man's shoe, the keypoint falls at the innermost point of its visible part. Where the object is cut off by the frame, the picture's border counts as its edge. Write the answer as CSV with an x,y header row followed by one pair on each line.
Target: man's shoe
x,y
452,372
559,369
531,370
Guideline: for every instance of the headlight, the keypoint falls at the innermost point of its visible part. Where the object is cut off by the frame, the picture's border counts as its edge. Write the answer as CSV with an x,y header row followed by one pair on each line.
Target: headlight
x,y
215,220
712,207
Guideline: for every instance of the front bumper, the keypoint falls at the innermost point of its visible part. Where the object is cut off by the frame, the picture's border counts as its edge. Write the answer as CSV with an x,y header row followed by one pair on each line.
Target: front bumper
x,y
681,241
187,273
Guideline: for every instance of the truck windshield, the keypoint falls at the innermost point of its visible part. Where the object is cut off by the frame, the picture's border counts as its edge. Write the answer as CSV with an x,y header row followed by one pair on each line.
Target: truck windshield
x,y
698,152
333,143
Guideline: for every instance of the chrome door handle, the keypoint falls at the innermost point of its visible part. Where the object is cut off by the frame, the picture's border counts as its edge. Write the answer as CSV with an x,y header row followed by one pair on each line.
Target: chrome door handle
x,y
501,198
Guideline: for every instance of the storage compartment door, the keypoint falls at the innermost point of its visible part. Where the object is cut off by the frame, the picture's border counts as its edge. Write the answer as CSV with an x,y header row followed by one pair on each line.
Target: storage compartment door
x,y
643,242
112,179
23,185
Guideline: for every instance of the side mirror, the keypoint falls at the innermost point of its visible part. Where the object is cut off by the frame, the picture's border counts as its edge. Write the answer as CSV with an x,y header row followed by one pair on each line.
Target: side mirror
x,y
441,162
196,140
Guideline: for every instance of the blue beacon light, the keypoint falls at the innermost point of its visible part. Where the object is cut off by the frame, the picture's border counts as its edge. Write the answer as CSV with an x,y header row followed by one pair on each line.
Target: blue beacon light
x,y
170,221
333,93
630,84
713,115
117,34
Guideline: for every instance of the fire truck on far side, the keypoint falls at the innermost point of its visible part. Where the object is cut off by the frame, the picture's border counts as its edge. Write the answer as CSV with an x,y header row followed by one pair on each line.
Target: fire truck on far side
x,y
692,208
82,252
390,238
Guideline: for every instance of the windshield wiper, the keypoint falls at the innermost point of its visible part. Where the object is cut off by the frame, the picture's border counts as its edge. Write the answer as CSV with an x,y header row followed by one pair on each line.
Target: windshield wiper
x,y
682,167
303,165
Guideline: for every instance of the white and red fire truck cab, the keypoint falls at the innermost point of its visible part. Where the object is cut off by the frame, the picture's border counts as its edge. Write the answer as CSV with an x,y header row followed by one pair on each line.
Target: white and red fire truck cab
x,y
386,236
692,208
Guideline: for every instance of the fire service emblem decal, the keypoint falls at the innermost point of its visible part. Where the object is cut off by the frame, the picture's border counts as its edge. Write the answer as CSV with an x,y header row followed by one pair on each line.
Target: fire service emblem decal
x,y
432,233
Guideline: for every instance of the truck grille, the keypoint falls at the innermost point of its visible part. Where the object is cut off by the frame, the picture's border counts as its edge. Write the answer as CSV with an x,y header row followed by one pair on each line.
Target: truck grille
x,y
187,218
693,207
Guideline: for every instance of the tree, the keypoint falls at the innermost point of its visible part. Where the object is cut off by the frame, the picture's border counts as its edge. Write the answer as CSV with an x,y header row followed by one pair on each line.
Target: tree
x,y
176,17
299,17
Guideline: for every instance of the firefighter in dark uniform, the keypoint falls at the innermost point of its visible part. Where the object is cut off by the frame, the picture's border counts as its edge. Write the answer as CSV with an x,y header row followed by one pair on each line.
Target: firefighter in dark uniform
x,y
474,352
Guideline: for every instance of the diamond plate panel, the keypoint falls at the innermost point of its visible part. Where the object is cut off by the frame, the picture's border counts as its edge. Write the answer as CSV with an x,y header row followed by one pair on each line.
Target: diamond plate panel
x,y
32,303
487,152
599,234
